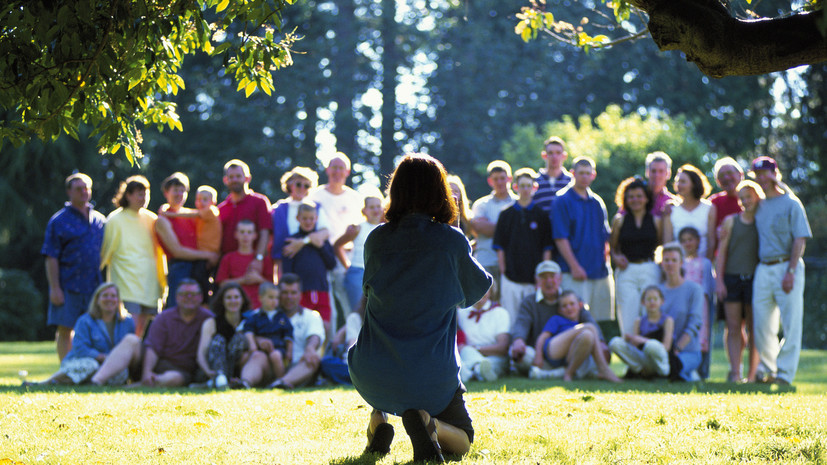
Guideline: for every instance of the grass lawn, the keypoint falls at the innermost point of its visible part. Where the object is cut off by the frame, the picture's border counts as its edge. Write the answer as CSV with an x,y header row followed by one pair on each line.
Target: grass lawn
x,y
516,421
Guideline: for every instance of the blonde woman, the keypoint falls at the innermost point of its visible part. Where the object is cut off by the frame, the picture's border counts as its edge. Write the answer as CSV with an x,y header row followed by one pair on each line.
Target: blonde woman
x,y
105,346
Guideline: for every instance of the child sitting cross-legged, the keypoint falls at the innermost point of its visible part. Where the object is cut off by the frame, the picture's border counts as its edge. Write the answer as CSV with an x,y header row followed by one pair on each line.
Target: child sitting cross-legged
x,y
646,348
270,331
566,343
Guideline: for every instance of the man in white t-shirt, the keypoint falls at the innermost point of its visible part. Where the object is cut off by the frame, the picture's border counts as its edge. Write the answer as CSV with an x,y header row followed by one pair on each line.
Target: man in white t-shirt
x,y
308,335
486,210
343,207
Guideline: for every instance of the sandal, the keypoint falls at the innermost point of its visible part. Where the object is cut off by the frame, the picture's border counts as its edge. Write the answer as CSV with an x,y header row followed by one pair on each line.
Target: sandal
x,y
424,446
379,442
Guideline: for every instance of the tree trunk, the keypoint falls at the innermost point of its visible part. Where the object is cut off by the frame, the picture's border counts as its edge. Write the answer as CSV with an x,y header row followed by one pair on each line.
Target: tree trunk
x,y
390,63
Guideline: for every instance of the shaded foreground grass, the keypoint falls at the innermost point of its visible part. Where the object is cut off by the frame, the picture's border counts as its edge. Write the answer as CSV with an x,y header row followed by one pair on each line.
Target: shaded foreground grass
x,y
517,421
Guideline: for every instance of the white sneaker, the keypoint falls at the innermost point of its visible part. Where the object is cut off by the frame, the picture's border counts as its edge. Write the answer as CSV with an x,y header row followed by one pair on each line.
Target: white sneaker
x,y
485,371
221,381
539,373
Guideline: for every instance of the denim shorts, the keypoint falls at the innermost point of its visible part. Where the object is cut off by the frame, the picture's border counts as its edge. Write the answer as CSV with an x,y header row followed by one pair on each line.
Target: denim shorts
x,y
554,362
74,305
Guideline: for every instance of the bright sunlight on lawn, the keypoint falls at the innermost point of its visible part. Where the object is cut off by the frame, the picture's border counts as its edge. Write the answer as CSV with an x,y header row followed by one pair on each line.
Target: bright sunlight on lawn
x,y
516,420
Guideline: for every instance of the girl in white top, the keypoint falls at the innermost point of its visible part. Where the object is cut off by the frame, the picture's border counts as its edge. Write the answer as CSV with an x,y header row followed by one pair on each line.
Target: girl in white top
x,y
692,209
358,234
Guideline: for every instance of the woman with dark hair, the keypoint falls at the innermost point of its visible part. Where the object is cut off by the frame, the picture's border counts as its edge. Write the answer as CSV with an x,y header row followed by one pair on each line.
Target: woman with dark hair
x,y
296,183
418,270
222,348
635,236
131,253
692,209
105,346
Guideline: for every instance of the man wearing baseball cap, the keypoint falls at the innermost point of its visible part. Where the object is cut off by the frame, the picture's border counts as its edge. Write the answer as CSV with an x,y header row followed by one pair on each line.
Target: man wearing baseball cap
x,y
778,286
534,312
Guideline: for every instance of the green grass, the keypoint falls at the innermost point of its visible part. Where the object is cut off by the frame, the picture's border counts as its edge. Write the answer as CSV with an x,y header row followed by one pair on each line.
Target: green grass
x,y
516,421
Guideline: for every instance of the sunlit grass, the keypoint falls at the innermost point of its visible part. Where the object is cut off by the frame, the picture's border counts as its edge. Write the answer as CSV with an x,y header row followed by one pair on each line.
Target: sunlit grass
x,y
516,421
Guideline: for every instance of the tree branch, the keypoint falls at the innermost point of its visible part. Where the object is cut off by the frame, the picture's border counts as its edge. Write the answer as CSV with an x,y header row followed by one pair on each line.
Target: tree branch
x,y
721,45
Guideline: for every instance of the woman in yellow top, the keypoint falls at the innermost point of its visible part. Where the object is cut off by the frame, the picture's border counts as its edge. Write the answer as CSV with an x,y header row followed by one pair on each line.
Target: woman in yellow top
x,y
131,253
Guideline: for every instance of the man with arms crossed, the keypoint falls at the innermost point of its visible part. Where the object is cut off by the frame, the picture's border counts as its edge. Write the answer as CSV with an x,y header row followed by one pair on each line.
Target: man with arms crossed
x,y
343,207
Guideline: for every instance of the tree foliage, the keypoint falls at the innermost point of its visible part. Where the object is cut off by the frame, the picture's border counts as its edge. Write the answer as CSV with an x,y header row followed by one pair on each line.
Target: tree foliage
x,y
722,38
111,64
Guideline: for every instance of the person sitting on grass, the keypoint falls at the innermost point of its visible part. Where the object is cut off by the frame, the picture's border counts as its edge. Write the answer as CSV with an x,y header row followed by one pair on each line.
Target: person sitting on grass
x,y
565,342
646,349
222,348
535,311
235,266
485,353
269,330
308,336
683,300
172,340
105,346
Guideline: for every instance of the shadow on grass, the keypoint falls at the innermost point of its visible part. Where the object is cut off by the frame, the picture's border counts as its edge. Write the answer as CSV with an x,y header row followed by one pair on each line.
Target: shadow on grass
x,y
512,384
371,459
658,386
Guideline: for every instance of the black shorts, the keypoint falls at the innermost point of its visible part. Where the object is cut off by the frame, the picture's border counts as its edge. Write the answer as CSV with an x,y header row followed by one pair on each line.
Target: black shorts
x,y
738,288
456,414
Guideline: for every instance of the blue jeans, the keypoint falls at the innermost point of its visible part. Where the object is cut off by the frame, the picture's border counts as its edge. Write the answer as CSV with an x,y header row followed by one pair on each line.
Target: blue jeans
x,y
353,286
178,270
691,361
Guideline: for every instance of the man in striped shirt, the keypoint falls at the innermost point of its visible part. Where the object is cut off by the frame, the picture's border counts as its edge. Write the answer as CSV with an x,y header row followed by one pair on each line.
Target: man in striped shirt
x,y
554,176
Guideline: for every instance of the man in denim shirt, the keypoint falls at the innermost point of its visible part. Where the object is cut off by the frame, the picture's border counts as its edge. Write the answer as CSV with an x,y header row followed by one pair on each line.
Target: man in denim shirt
x,y
72,249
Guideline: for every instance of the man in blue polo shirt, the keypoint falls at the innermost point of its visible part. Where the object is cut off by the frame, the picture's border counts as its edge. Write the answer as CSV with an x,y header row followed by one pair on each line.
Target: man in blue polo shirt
x,y
72,249
581,234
